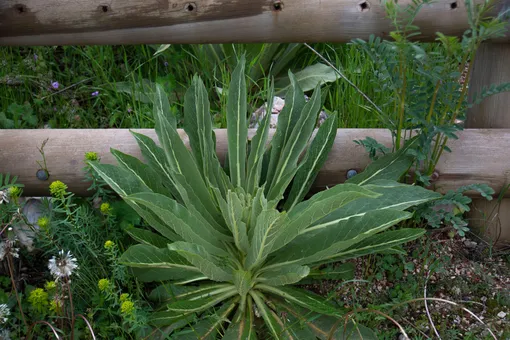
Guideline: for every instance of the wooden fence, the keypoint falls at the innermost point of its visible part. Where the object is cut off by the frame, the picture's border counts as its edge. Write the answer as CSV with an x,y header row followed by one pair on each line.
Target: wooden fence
x,y
481,155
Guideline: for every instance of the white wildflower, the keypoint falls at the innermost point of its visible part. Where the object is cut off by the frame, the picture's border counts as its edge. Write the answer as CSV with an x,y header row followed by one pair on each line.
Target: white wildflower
x,y
4,313
4,196
7,247
63,265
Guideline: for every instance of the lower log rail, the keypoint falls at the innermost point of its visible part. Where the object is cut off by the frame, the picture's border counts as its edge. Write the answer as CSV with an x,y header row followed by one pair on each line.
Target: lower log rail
x,y
479,156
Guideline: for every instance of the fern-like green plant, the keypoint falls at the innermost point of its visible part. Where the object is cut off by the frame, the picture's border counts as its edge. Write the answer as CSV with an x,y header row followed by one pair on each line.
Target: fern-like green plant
x,y
233,242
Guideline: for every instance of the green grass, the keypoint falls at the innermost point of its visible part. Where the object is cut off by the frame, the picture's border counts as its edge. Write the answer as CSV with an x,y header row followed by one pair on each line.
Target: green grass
x,y
27,73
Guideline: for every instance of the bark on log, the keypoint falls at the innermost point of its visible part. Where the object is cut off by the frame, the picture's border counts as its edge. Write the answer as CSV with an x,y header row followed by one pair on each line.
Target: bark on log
x,y
91,22
477,157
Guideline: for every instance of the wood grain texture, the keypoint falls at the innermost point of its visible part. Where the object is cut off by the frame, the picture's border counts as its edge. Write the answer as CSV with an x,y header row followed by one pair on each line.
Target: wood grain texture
x,y
65,22
474,158
491,67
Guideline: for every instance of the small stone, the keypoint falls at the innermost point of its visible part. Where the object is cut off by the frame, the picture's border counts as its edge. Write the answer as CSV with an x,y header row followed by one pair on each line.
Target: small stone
x,y
470,244
42,175
351,173
501,315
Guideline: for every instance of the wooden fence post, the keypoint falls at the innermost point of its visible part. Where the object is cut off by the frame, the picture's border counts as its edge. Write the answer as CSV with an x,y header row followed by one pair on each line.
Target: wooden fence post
x,y
491,66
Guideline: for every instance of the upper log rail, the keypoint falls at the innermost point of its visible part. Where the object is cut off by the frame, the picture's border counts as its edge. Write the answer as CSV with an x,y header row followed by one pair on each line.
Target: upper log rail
x,y
479,156
92,22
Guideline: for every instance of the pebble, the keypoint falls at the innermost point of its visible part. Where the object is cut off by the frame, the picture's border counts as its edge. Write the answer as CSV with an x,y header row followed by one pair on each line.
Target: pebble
x,y
501,315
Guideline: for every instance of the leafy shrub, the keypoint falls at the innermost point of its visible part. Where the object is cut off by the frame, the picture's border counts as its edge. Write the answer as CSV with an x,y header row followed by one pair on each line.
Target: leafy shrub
x,y
231,241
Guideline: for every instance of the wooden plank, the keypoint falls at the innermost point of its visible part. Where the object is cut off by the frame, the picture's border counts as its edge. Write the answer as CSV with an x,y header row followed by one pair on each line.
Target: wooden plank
x,y
491,67
64,22
472,161
491,218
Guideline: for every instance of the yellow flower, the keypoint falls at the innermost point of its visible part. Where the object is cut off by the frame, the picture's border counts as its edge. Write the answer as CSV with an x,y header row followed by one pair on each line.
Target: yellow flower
x,y
109,245
105,208
127,307
103,284
58,189
91,156
56,306
14,191
43,222
50,285
38,298
124,297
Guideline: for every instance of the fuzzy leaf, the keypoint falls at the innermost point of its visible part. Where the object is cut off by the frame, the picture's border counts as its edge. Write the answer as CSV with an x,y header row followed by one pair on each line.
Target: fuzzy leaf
x,y
258,147
310,77
237,125
202,260
287,119
297,141
272,321
315,158
182,221
244,328
389,167
147,237
303,298
284,276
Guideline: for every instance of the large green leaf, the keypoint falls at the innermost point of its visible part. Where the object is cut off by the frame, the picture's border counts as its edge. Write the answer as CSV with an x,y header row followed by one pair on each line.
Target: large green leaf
x,y
272,321
237,125
166,318
264,235
310,77
143,172
297,141
233,209
379,242
181,162
162,108
285,58
315,157
198,127
202,260
243,328
165,274
155,221
145,256
389,167
321,325
147,237
209,327
318,244
320,205
258,147
303,298
197,123
391,195
182,221
287,119
284,276
155,157
200,304
335,271
122,181
170,292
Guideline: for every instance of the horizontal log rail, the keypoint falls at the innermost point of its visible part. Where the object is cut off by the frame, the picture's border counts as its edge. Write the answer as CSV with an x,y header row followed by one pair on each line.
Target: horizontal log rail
x,y
90,22
479,156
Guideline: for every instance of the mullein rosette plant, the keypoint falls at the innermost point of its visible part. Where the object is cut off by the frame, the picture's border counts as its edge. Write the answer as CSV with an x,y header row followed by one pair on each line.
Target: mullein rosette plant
x,y
231,245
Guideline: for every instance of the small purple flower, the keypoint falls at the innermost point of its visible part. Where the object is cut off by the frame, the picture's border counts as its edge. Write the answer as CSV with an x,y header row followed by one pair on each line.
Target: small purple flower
x,y
129,110
55,85
35,57
95,94
165,63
